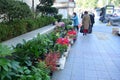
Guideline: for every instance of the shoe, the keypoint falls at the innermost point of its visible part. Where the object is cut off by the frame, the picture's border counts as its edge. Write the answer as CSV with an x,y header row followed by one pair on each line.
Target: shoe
x,y
83,34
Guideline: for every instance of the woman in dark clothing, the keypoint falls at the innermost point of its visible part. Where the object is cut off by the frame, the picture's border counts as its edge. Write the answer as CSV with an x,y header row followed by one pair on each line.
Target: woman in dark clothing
x,y
92,22
92,19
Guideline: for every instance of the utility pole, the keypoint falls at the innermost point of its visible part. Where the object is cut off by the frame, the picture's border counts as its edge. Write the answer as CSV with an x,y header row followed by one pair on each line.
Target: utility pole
x,y
33,6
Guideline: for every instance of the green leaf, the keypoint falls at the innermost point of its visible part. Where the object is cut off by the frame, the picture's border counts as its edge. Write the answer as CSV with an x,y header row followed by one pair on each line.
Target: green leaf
x,y
5,67
4,62
15,65
27,71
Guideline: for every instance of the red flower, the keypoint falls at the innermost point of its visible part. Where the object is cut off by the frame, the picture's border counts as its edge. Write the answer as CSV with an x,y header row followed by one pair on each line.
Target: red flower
x,y
62,41
72,32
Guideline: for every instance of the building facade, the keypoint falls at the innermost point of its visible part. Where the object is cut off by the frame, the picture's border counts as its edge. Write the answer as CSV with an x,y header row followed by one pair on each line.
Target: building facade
x,y
65,7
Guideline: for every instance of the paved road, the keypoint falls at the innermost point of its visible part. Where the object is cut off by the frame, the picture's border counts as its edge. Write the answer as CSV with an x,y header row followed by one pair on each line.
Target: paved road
x,y
93,57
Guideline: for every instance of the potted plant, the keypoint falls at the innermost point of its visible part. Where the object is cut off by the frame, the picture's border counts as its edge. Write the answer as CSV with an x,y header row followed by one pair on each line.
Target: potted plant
x,y
72,34
51,61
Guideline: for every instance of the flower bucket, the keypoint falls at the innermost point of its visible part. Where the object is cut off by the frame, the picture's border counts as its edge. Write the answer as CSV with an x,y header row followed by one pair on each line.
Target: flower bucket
x,y
61,63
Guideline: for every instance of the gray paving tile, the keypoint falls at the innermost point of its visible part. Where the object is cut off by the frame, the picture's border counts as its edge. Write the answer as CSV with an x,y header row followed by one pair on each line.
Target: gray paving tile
x,y
115,76
91,73
77,74
100,68
103,75
91,78
77,78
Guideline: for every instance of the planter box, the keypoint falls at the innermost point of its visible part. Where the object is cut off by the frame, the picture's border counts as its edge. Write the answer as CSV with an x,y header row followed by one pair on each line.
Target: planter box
x,y
71,41
62,60
65,54
69,47
61,63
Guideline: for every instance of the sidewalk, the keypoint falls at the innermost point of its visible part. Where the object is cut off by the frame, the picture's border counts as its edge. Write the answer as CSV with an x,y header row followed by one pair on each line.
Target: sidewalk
x,y
93,57
28,36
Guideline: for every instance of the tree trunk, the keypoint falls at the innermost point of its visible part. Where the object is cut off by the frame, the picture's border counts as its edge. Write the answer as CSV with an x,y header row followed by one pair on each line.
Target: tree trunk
x,y
33,6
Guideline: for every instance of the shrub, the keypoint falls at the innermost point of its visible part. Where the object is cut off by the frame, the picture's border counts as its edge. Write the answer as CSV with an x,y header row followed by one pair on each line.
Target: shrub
x,y
15,9
17,27
58,17
67,21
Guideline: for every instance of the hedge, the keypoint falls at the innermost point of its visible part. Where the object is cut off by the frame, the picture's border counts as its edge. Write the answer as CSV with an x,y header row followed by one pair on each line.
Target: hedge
x,y
17,27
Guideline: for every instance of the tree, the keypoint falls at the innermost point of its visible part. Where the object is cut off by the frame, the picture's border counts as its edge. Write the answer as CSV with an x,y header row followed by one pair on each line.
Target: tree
x,y
87,3
46,2
116,2
13,9
45,8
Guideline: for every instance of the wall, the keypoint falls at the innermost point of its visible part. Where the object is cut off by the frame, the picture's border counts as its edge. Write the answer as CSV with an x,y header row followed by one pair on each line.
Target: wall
x,y
29,2
64,12
61,0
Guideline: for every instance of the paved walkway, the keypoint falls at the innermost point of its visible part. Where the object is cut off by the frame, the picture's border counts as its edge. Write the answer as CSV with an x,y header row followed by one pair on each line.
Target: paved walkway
x,y
93,57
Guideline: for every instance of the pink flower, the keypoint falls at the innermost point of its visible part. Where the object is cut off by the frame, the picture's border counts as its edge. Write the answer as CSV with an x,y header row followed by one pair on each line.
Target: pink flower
x,y
60,24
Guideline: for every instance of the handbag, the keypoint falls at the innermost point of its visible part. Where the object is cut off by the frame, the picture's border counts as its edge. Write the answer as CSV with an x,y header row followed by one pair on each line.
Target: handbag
x,y
81,29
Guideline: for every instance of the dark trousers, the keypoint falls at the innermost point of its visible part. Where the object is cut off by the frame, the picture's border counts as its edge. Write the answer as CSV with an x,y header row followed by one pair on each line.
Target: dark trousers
x,y
76,28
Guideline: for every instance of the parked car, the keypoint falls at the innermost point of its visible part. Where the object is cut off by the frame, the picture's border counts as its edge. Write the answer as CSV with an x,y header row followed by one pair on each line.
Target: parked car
x,y
115,21
116,12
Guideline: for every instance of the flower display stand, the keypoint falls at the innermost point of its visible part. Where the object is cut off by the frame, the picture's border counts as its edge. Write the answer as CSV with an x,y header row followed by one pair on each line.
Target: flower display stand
x,y
61,63
67,52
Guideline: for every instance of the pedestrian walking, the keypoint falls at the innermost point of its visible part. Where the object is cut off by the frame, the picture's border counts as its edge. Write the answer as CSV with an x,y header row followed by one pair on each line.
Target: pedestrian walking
x,y
92,16
86,22
75,21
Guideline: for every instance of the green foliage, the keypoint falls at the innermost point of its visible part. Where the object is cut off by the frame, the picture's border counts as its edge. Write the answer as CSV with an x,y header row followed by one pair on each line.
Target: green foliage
x,y
13,70
41,65
17,27
5,51
25,63
53,36
14,9
87,3
96,3
67,22
46,2
46,71
8,69
58,16
69,27
46,10
60,48
45,7
28,52
33,74
38,74
115,2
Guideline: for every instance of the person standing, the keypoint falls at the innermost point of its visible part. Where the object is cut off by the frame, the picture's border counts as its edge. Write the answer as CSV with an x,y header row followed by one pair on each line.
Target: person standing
x,y
86,22
75,21
92,16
